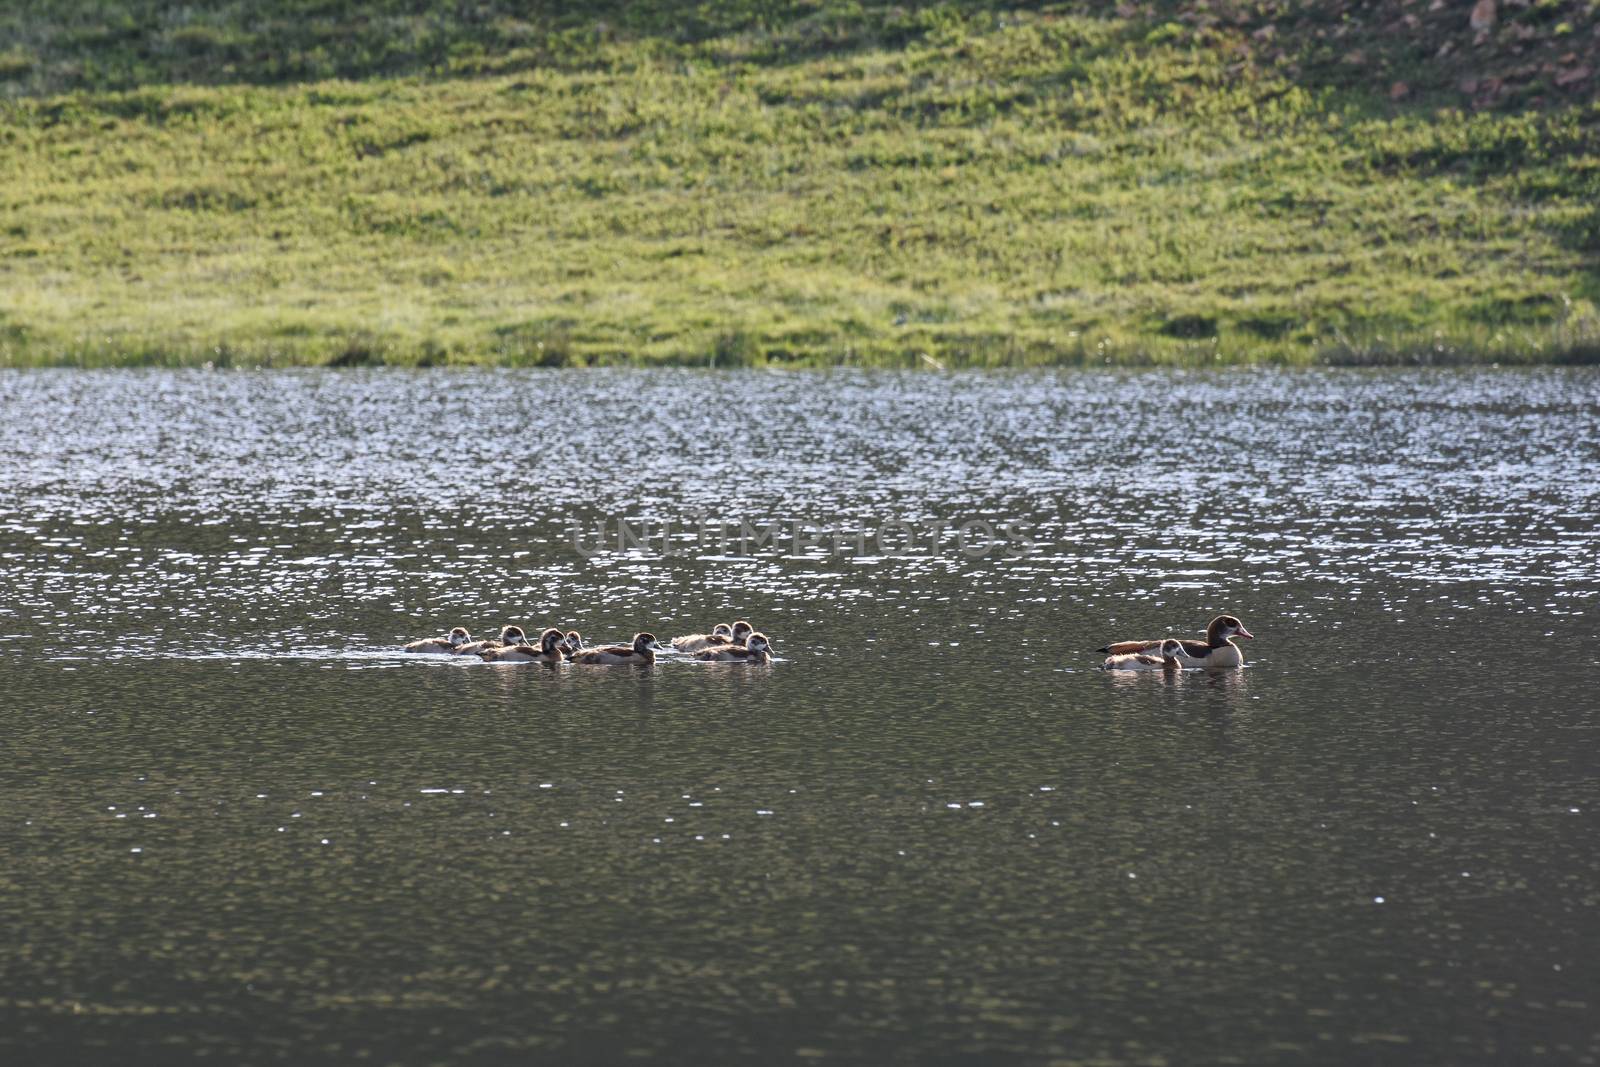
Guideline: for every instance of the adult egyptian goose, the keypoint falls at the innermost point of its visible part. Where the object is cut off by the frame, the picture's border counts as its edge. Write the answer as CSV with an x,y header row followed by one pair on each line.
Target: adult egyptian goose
x,y
448,645
1216,651
641,653
1165,659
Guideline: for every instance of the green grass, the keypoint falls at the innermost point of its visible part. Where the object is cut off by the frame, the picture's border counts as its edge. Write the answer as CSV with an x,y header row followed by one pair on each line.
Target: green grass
x,y
780,183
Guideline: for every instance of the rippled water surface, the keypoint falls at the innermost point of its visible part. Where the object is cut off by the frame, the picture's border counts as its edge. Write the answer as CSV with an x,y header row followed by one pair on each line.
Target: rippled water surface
x,y
235,822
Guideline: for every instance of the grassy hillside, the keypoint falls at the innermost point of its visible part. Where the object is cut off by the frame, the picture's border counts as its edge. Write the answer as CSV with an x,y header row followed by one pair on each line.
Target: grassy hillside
x,y
297,181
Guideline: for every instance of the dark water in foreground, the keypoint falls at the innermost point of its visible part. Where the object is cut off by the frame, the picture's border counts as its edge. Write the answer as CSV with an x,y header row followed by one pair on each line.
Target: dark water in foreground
x,y
233,824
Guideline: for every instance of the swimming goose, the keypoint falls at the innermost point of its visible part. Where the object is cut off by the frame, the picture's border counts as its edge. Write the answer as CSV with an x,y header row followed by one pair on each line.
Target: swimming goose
x,y
509,635
571,644
1217,650
1164,660
720,634
548,650
449,645
641,652
755,650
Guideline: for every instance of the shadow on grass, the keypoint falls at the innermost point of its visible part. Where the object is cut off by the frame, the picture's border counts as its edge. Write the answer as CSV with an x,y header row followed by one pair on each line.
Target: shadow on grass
x,y
1532,54
108,45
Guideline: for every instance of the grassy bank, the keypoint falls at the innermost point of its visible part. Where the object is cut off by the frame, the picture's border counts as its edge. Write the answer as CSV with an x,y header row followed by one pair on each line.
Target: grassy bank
x,y
803,182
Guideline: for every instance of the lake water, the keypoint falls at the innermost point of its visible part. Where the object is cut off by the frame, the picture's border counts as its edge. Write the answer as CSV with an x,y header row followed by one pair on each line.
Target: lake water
x,y
235,823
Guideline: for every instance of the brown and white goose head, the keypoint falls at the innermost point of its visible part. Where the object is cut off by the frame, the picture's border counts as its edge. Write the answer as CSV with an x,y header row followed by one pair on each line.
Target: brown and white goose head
x,y
1223,629
1219,651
